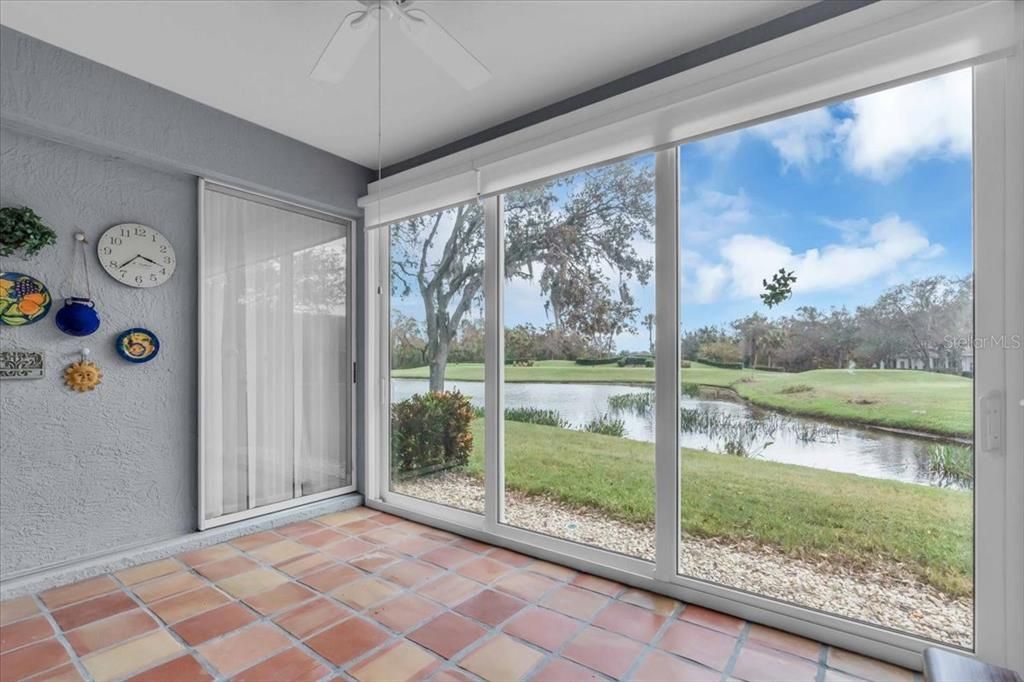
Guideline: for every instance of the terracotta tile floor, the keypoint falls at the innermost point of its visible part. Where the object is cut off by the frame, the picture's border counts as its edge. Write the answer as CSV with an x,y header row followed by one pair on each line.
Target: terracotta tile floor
x,y
359,595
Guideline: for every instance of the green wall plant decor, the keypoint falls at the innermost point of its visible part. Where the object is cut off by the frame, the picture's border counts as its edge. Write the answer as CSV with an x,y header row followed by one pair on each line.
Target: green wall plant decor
x,y
21,228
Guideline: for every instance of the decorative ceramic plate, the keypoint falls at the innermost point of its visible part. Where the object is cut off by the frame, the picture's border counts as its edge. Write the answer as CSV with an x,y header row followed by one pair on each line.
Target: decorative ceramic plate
x,y
23,299
138,345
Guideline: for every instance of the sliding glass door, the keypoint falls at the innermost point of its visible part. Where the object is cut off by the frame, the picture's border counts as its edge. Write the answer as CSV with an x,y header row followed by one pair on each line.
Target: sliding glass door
x,y
827,327
275,366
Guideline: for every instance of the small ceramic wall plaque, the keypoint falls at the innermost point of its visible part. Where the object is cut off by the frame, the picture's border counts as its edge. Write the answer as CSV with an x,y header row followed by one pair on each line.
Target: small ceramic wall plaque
x,y
137,345
21,364
83,375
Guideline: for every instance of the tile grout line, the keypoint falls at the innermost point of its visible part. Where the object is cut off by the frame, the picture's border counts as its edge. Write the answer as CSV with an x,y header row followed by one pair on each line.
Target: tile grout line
x,y
268,619
164,626
59,636
822,663
741,641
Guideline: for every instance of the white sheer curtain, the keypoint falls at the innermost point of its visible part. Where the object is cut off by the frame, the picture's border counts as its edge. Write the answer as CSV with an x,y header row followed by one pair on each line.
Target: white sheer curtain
x,y
275,353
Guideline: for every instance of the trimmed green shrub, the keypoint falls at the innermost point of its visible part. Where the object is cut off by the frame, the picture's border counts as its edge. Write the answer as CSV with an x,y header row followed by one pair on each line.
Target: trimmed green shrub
x,y
635,361
596,361
430,432
722,365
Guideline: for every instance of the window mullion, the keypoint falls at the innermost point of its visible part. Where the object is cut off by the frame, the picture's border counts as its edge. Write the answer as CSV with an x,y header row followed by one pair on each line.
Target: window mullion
x,y
666,268
494,363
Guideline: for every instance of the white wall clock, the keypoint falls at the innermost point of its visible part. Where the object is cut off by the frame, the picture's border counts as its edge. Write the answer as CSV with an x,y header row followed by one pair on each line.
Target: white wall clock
x,y
136,255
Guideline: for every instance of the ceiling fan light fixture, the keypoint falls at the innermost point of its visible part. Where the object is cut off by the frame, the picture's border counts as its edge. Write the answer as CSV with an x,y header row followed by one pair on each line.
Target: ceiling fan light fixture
x,y
430,37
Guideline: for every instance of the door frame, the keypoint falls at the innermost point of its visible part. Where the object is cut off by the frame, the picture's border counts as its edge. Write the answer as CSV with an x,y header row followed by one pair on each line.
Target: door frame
x,y
352,291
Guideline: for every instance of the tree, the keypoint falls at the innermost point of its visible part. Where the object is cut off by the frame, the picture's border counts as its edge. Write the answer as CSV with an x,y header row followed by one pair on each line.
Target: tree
x,y
773,341
575,237
649,323
779,289
448,275
721,351
921,314
691,341
520,344
408,346
751,330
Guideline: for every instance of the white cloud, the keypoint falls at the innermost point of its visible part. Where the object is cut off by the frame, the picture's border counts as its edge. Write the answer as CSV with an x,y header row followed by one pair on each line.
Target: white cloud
x,y
802,139
713,214
877,136
890,129
886,247
851,229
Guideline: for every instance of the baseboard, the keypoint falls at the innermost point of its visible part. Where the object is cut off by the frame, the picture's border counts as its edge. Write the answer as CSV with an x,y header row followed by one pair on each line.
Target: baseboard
x,y
66,573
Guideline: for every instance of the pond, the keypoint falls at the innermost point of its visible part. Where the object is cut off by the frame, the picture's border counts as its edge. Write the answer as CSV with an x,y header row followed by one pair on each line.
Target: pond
x,y
792,440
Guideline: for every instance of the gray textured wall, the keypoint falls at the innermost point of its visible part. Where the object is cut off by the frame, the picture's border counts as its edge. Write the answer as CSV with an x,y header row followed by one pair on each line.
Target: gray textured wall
x,y
91,472
88,147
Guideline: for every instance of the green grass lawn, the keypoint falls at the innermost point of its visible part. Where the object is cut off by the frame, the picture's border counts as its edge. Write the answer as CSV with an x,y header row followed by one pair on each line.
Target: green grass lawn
x,y
801,511
924,401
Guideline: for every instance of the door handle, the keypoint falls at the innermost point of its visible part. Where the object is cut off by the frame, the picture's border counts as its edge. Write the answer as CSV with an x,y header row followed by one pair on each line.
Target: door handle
x,y
990,411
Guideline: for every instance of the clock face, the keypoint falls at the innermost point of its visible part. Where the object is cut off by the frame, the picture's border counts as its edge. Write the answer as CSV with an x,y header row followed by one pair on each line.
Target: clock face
x,y
136,255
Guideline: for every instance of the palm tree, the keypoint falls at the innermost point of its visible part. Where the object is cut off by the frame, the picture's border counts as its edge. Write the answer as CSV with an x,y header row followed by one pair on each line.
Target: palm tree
x,y
649,323
772,341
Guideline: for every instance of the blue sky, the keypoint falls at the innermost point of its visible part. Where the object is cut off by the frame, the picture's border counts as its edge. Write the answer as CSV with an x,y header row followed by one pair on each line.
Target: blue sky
x,y
853,197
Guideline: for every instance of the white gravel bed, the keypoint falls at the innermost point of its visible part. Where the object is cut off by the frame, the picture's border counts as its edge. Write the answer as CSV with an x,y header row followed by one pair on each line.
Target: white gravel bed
x,y
889,594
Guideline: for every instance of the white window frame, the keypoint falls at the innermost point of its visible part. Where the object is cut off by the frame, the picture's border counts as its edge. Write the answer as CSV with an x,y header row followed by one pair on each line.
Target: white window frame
x,y
352,282
999,301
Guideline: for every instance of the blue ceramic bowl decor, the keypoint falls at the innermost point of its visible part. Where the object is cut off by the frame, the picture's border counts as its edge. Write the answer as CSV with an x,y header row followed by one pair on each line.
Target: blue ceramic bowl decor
x,y
137,345
78,317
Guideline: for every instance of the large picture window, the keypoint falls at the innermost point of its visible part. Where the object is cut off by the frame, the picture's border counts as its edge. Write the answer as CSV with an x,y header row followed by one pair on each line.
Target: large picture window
x,y
579,357
742,370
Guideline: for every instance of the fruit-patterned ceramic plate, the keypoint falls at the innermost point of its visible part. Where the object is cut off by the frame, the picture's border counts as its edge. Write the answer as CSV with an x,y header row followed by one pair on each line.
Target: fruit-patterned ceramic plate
x,y
23,299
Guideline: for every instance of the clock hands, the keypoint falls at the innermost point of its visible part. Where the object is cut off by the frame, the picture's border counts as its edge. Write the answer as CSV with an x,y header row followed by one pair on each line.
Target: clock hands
x,y
138,255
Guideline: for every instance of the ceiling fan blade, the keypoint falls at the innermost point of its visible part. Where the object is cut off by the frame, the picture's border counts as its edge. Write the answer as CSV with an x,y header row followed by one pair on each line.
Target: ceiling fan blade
x,y
343,49
444,50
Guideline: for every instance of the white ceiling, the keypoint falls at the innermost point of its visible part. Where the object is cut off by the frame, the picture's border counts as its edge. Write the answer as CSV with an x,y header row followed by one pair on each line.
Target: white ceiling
x,y
252,59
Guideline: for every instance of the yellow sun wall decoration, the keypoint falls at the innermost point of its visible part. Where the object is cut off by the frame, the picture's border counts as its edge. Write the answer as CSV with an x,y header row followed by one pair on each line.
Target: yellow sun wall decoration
x,y
82,376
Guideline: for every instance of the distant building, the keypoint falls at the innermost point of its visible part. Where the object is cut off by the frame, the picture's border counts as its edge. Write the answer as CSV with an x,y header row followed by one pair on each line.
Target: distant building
x,y
938,361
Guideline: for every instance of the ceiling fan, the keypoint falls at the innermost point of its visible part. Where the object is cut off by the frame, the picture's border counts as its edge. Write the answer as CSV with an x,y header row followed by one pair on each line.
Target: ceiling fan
x,y
436,43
